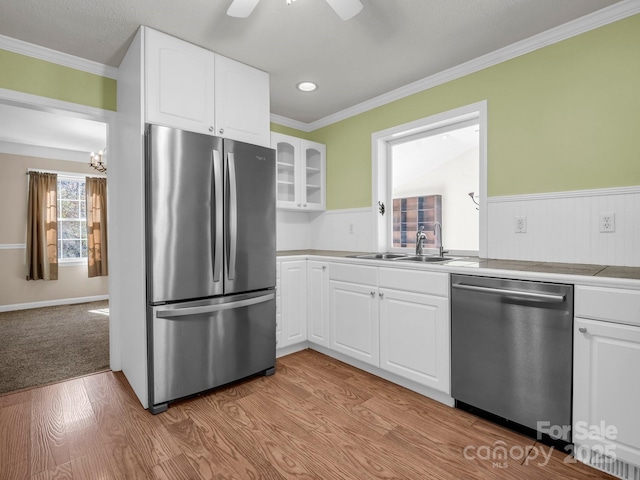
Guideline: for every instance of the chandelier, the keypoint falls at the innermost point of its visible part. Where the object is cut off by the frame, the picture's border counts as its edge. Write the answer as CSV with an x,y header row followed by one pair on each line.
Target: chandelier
x,y
99,161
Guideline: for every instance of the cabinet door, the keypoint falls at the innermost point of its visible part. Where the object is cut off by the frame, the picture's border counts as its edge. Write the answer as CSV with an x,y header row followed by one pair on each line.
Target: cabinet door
x,y
293,279
318,303
354,321
313,175
287,171
179,80
414,337
242,102
606,388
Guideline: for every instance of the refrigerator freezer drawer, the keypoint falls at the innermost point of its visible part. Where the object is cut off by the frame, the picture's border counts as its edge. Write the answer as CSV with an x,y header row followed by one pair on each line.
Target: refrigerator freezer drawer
x,y
199,346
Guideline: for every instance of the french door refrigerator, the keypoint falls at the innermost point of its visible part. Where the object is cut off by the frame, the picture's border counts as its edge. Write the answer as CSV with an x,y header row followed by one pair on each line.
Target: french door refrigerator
x,y
211,262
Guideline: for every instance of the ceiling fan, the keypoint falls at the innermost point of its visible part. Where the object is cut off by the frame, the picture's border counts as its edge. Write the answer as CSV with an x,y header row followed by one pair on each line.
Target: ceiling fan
x,y
345,9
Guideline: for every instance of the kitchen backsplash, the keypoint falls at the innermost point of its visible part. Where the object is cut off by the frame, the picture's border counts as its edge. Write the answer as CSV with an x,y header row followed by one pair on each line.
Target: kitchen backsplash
x,y
561,227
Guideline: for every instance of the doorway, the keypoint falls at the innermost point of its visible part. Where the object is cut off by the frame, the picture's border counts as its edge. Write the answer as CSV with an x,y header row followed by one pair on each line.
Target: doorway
x,y
45,134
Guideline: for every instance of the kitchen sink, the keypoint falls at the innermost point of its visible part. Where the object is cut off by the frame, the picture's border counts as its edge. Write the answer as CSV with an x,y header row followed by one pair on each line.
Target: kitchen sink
x,y
380,256
427,259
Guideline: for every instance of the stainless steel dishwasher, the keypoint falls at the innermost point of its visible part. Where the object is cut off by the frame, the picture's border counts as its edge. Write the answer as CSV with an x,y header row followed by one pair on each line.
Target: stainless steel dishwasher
x,y
512,351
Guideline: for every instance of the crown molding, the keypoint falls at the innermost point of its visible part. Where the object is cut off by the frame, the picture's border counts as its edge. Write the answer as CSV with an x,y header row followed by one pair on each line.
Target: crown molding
x,y
288,122
59,58
605,16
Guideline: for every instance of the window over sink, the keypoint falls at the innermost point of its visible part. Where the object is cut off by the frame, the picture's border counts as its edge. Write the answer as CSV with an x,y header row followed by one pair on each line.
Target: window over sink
x,y
431,173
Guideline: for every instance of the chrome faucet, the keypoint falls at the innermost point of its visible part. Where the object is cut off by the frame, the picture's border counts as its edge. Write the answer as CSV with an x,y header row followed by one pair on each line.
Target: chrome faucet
x,y
437,229
420,238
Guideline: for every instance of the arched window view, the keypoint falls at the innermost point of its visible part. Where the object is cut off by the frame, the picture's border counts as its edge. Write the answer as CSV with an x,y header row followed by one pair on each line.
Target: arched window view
x,y
434,185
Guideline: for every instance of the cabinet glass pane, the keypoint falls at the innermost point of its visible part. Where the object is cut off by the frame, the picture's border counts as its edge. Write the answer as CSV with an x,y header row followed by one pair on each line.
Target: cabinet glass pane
x,y
313,176
286,172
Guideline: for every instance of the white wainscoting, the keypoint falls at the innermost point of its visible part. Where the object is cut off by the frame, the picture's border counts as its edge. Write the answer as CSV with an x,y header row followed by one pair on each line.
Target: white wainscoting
x,y
347,230
565,227
351,229
292,230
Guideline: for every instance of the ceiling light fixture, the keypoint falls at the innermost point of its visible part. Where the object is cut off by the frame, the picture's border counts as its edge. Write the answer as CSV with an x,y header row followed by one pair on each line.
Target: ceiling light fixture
x,y
289,2
306,86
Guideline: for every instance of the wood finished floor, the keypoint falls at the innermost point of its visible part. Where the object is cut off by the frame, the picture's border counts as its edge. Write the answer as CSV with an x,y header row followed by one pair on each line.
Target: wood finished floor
x,y
315,418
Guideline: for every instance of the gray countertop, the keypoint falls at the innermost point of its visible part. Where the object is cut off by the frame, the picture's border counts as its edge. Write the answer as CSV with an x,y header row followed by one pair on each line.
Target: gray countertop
x,y
572,269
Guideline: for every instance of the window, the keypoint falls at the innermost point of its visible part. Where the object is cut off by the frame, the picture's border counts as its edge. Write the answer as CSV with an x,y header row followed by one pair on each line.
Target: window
x,y
72,222
438,160
434,180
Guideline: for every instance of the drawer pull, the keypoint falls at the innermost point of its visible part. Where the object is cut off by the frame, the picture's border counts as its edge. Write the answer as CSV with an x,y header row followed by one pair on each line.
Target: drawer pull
x,y
582,330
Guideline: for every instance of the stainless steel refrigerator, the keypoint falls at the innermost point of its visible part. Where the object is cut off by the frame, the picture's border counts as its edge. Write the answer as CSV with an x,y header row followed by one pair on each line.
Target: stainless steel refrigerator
x,y
211,262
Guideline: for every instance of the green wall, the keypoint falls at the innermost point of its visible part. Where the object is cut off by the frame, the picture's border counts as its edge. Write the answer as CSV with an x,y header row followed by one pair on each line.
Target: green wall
x,y
564,117
38,77
289,131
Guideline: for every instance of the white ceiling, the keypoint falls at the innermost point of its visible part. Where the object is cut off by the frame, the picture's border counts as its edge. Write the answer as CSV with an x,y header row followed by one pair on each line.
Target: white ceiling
x,y
390,44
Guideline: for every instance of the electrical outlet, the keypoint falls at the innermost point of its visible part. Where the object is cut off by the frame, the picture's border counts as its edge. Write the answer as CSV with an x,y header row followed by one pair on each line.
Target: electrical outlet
x,y
521,224
607,222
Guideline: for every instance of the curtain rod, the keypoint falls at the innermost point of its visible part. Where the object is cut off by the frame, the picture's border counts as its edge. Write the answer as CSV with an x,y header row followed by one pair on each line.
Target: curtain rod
x,y
62,174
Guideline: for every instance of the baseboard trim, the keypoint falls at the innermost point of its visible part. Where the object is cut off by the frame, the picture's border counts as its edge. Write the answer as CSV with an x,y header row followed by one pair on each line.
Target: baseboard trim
x,y
281,352
378,372
52,303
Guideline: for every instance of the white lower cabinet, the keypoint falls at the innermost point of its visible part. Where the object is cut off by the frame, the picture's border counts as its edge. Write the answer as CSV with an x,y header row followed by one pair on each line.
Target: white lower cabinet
x,y
293,302
414,337
606,385
394,319
354,320
318,302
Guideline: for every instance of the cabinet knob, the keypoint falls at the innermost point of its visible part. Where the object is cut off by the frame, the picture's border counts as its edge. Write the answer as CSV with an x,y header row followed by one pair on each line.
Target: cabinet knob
x,y
373,294
221,131
324,267
582,330
381,295
298,204
211,129
304,204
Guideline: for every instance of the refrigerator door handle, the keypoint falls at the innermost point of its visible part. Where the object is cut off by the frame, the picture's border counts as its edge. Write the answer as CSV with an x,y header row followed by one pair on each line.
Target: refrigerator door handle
x,y
183,312
218,212
233,216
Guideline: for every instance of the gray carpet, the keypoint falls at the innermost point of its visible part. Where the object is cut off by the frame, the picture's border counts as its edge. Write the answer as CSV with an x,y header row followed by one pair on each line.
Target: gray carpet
x,y
45,345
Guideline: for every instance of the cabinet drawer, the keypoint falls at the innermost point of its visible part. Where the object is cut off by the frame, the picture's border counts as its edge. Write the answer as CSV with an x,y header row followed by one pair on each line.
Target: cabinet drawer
x,y
354,274
433,283
609,304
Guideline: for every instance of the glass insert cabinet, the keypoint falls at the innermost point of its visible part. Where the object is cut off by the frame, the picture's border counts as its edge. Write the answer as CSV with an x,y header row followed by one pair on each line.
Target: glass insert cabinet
x,y
300,173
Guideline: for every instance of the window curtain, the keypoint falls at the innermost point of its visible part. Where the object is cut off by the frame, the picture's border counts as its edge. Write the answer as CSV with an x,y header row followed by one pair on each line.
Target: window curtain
x,y
42,227
97,261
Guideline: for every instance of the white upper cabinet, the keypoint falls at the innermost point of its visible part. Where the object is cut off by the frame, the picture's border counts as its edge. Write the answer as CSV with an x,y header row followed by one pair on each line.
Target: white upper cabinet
x,y
242,102
301,173
192,88
179,83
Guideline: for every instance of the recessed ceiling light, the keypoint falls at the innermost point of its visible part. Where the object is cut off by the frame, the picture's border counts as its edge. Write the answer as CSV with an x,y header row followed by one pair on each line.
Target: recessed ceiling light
x,y
306,86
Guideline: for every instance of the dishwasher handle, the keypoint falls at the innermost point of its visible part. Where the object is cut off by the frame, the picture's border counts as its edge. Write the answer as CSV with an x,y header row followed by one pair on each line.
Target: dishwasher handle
x,y
516,294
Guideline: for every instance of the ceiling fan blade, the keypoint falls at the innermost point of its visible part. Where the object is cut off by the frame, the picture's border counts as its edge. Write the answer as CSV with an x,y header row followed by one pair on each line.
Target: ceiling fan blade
x,y
346,9
241,8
